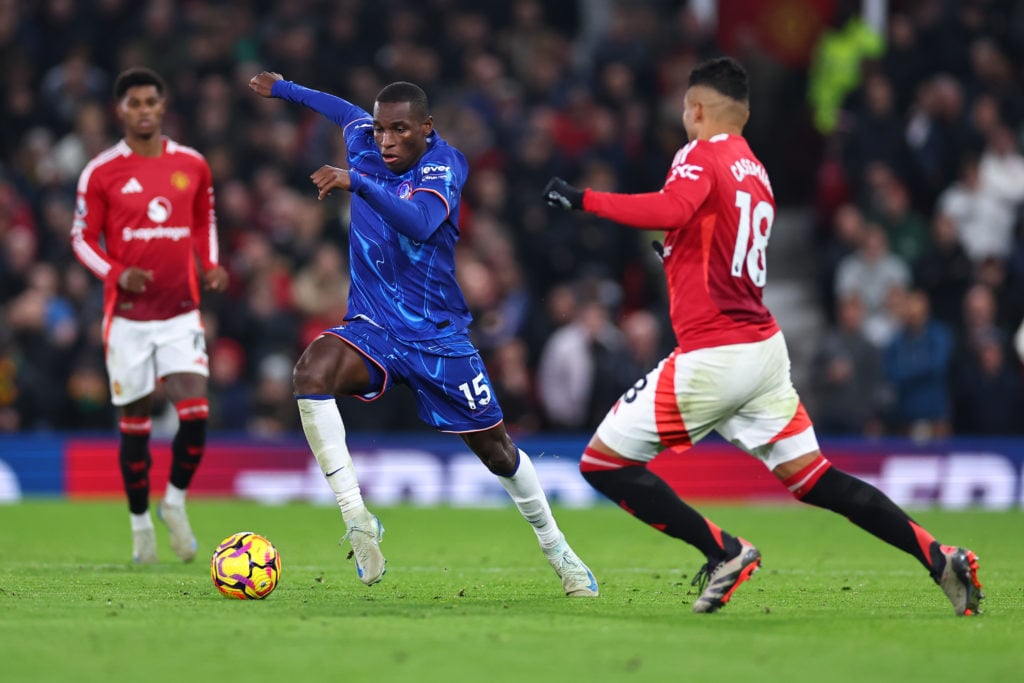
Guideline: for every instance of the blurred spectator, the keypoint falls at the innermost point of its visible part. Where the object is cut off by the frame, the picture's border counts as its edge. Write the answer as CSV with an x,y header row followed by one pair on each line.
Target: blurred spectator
x,y
88,138
938,135
871,273
229,393
875,130
994,73
1001,169
944,271
904,63
17,255
847,369
979,320
70,85
984,222
88,404
646,341
272,410
989,390
917,363
837,64
12,402
845,237
581,368
905,229
514,382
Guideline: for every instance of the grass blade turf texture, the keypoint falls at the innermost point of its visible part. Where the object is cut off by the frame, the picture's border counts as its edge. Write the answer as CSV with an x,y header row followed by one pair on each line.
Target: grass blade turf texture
x,y
469,597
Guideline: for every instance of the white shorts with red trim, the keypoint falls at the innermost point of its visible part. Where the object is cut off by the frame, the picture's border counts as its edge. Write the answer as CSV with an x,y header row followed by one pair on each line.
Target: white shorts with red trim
x,y
141,351
742,391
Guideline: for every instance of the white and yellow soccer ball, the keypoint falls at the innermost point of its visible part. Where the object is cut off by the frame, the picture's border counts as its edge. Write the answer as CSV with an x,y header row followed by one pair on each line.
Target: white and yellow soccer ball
x,y
246,566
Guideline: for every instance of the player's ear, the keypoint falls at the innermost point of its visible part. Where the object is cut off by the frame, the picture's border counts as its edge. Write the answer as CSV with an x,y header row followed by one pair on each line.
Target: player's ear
x,y
698,111
428,125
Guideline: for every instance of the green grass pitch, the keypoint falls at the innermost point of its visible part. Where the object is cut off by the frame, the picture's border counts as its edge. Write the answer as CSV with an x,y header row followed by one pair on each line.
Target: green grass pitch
x,y
469,597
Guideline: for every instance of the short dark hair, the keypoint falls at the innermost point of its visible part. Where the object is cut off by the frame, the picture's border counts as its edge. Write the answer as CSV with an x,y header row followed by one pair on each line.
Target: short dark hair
x,y
723,74
135,76
402,91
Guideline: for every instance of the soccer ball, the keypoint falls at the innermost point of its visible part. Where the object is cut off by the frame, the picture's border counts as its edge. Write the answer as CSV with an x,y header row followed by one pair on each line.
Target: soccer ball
x,y
245,566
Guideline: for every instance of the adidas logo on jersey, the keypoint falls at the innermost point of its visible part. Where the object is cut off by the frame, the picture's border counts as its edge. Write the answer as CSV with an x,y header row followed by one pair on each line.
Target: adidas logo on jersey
x,y
133,186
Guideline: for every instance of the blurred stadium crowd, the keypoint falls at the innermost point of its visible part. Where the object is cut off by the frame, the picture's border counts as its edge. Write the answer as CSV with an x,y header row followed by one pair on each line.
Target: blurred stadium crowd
x,y
904,139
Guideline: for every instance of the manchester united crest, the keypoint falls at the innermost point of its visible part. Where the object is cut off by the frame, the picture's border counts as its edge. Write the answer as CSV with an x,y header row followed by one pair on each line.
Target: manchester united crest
x,y
180,180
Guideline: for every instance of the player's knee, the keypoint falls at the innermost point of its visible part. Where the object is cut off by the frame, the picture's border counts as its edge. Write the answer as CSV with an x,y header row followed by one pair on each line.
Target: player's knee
x,y
499,458
306,380
303,380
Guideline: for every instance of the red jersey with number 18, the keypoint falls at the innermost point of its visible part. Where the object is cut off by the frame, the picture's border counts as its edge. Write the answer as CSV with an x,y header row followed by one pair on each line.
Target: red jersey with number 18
x,y
717,208
155,213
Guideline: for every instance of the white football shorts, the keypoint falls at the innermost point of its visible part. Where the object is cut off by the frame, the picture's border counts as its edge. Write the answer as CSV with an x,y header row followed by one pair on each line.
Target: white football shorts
x,y
139,352
742,391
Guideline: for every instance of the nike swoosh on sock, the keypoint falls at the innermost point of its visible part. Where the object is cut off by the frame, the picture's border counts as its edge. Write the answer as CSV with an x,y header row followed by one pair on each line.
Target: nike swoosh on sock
x,y
335,471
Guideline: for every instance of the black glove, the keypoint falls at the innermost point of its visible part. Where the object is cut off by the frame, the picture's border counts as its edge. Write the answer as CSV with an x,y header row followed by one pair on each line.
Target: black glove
x,y
659,249
562,195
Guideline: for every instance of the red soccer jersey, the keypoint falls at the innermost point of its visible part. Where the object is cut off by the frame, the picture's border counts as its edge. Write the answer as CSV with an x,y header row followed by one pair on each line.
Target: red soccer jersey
x,y
717,208
155,213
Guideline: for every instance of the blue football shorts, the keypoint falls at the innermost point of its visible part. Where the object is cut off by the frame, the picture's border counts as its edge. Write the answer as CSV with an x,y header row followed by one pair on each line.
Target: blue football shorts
x,y
447,375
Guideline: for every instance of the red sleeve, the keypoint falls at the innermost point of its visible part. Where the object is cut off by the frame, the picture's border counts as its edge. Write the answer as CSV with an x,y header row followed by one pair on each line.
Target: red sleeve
x,y
87,228
688,184
204,221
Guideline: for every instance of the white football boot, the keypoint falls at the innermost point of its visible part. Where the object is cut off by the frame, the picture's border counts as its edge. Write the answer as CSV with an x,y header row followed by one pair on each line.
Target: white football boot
x,y
183,541
365,534
144,546
577,579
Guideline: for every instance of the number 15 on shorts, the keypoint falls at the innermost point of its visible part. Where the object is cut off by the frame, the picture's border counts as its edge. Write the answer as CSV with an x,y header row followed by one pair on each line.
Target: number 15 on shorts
x,y
479,394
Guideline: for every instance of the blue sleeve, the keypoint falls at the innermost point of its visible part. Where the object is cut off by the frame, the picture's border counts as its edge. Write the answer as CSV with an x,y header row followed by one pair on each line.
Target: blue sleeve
x,y
417,217
340,111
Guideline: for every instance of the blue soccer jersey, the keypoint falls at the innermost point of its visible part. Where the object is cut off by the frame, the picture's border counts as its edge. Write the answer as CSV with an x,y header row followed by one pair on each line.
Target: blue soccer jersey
x,y
401,251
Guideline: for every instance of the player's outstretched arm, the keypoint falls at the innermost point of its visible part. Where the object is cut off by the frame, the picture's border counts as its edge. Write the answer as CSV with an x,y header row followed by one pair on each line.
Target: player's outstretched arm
x,y
337,109
648,211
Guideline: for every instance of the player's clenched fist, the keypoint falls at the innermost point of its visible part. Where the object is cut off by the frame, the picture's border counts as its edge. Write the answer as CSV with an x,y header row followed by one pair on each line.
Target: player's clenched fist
x,y
216,279
263,82
562,195
133,279
327,178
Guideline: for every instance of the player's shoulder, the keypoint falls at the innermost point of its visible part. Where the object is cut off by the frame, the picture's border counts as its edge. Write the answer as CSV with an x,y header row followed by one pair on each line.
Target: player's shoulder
x,y
109,155
719,146
360,125
105,160
175,148
440,159
736,157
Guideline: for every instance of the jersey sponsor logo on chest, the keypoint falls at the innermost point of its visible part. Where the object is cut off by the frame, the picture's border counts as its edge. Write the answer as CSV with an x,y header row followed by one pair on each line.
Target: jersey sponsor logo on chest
x,y
159,211
434,171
